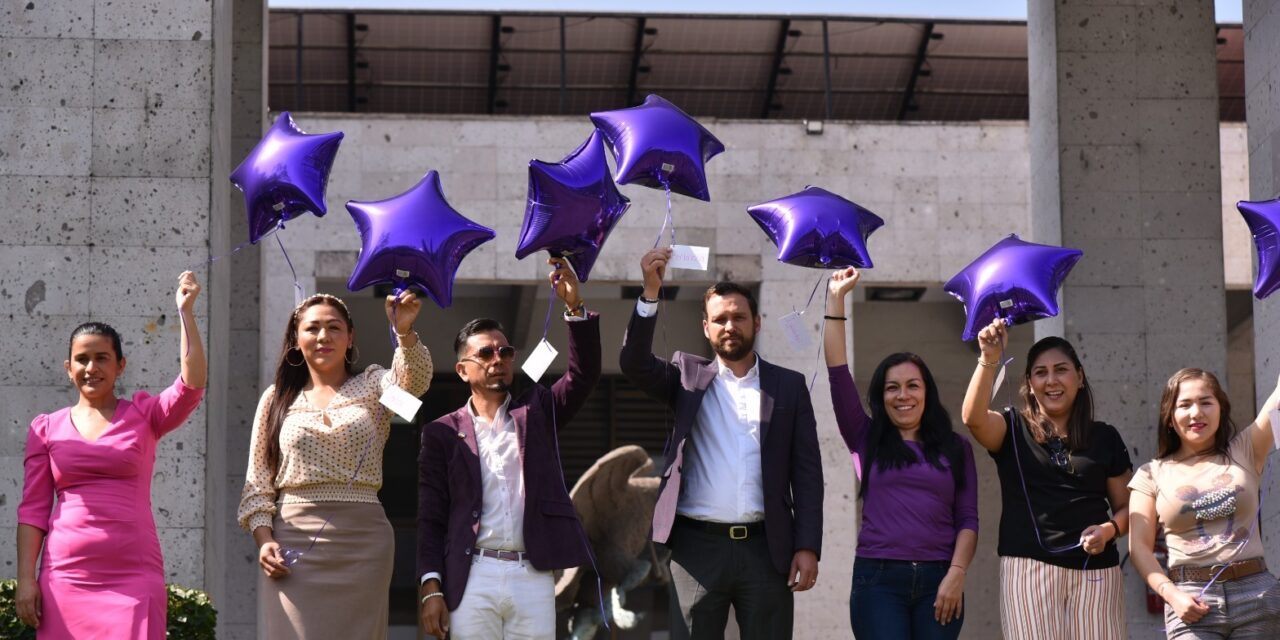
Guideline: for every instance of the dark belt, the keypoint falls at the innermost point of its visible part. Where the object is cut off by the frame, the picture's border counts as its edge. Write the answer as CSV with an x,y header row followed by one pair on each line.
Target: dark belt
x,y
1232,571
732,531
514,556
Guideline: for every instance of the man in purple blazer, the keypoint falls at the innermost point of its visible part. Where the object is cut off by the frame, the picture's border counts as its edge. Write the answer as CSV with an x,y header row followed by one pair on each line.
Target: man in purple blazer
x,y
740,504
494,517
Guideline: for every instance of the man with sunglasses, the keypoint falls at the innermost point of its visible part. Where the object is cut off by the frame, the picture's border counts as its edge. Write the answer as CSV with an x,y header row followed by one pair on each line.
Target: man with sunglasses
x,y
740,504
494,517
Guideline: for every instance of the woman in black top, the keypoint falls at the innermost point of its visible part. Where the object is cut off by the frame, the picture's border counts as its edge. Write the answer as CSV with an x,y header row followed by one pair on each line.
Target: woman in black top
x,y
1064,497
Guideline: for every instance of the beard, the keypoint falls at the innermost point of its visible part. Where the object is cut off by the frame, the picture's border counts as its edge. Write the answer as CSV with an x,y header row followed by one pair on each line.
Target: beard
x,y
746,344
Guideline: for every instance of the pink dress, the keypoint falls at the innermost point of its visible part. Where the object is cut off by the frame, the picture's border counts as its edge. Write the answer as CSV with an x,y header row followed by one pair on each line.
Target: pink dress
x,y
101,573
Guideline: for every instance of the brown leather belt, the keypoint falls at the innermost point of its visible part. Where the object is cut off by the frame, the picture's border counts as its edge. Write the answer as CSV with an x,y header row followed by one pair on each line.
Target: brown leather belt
x,y
514,556
1232,571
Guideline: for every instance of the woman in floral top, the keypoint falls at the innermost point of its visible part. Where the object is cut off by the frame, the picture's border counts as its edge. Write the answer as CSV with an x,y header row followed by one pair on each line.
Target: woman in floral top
x,y
315,466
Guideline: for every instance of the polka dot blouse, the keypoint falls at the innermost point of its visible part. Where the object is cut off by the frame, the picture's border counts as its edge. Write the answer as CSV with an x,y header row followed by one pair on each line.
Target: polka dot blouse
x,y
320,449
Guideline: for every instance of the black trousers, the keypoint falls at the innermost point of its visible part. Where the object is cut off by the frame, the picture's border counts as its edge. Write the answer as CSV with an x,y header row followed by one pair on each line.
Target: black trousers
x,y
710,573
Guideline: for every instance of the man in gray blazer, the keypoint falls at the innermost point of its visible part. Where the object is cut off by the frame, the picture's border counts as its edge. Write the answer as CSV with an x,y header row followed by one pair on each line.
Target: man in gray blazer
x,y
740,505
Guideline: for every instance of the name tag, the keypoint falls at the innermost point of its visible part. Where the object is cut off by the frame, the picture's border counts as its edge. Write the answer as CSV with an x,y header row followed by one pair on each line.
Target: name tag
x,y
538,361
401,402
798,335
685,256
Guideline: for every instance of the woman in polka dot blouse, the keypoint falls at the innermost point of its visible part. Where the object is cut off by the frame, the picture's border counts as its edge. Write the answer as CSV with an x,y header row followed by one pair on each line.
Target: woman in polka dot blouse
x,y
315,466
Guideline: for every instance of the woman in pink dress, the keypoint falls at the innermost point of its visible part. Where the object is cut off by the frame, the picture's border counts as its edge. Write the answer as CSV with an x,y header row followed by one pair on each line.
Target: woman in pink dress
x,y
101,574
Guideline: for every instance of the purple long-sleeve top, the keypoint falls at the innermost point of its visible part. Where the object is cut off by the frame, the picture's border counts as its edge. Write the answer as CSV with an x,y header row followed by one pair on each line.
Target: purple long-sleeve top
x,y
910,513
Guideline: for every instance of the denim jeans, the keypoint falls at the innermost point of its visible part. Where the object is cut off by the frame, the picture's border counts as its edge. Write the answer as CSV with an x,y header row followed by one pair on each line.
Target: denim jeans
x,y
893,599
1238,609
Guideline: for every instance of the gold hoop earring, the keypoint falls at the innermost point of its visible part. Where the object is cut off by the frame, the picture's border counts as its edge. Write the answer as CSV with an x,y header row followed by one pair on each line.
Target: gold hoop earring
x,y
292,363
356,350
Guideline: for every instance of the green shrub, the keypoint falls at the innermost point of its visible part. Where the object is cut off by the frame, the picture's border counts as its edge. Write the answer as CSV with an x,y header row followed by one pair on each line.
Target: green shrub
x,y
191,614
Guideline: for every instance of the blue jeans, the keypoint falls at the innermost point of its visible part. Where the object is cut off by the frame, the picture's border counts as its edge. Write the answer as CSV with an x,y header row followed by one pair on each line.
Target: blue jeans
x,y
893,599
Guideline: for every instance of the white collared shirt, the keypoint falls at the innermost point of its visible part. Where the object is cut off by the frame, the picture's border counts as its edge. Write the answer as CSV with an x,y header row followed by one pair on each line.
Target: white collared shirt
x,y
722,478
501,481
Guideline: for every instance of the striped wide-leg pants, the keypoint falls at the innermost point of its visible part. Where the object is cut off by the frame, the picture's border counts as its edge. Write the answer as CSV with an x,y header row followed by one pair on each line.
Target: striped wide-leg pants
x,y
1040,601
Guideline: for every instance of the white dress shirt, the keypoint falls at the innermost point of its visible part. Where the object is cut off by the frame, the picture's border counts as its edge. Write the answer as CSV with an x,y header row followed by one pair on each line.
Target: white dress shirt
x,y
721,478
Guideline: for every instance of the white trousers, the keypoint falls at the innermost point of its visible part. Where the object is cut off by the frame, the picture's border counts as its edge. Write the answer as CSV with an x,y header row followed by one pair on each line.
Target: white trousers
x,y
505,600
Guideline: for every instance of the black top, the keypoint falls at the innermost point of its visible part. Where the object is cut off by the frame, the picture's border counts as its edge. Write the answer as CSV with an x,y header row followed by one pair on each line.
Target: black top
x,y
1064,502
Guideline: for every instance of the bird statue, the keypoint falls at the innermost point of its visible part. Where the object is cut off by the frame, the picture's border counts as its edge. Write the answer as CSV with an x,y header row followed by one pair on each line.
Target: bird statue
x,y
615,500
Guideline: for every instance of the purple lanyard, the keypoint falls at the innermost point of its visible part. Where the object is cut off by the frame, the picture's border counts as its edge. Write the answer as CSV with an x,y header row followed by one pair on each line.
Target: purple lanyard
x,y
292,556
1016,429
555,434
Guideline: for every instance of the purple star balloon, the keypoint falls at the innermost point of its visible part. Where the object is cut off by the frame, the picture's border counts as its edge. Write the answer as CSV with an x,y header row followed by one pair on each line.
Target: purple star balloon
x,y
1014,280
656,145
285,175
572,207
817,228
414,239
1263,219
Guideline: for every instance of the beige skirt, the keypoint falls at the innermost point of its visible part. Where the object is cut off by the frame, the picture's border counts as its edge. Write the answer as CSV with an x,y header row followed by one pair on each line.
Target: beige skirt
x,y
337,589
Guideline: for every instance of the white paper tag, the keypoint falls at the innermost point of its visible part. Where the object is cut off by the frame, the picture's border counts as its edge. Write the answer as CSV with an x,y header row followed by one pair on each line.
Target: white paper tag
x,y
538,361
995,386
400,401
684,256
798,335
298,294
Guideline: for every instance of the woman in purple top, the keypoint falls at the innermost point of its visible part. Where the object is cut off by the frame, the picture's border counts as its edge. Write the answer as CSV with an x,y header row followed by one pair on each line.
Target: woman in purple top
x,y
918,486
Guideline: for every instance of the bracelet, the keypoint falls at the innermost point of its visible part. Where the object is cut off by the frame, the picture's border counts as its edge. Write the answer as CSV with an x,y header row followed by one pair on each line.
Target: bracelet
x,y
961,568
835,317
402,336
647,301
578,311
1160,589
984,363
1112,522
436,594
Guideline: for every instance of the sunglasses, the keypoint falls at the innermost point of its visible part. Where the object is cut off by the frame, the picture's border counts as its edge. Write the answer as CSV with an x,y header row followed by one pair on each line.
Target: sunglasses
x,y
485,354
1058,454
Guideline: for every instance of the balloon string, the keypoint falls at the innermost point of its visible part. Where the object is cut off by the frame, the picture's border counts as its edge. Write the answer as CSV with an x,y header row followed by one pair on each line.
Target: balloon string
x,y
555,434
1253,529
298,292
233,251
822,333
669,221
391,324
291,556
1015,424
551,303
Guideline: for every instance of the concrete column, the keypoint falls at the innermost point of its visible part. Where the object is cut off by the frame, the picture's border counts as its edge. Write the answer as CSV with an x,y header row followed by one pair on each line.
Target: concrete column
x,y
236,567
105,160
1262,78
1125,160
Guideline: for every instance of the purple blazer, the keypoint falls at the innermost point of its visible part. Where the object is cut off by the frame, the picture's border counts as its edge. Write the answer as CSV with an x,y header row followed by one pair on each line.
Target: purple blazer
x,y
449,489
790,460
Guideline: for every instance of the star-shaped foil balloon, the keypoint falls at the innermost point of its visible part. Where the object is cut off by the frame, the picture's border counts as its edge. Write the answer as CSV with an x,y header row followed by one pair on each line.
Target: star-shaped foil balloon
x,y
572,207
656,145
1263,219
1015,280
285,175
414,239
817,228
